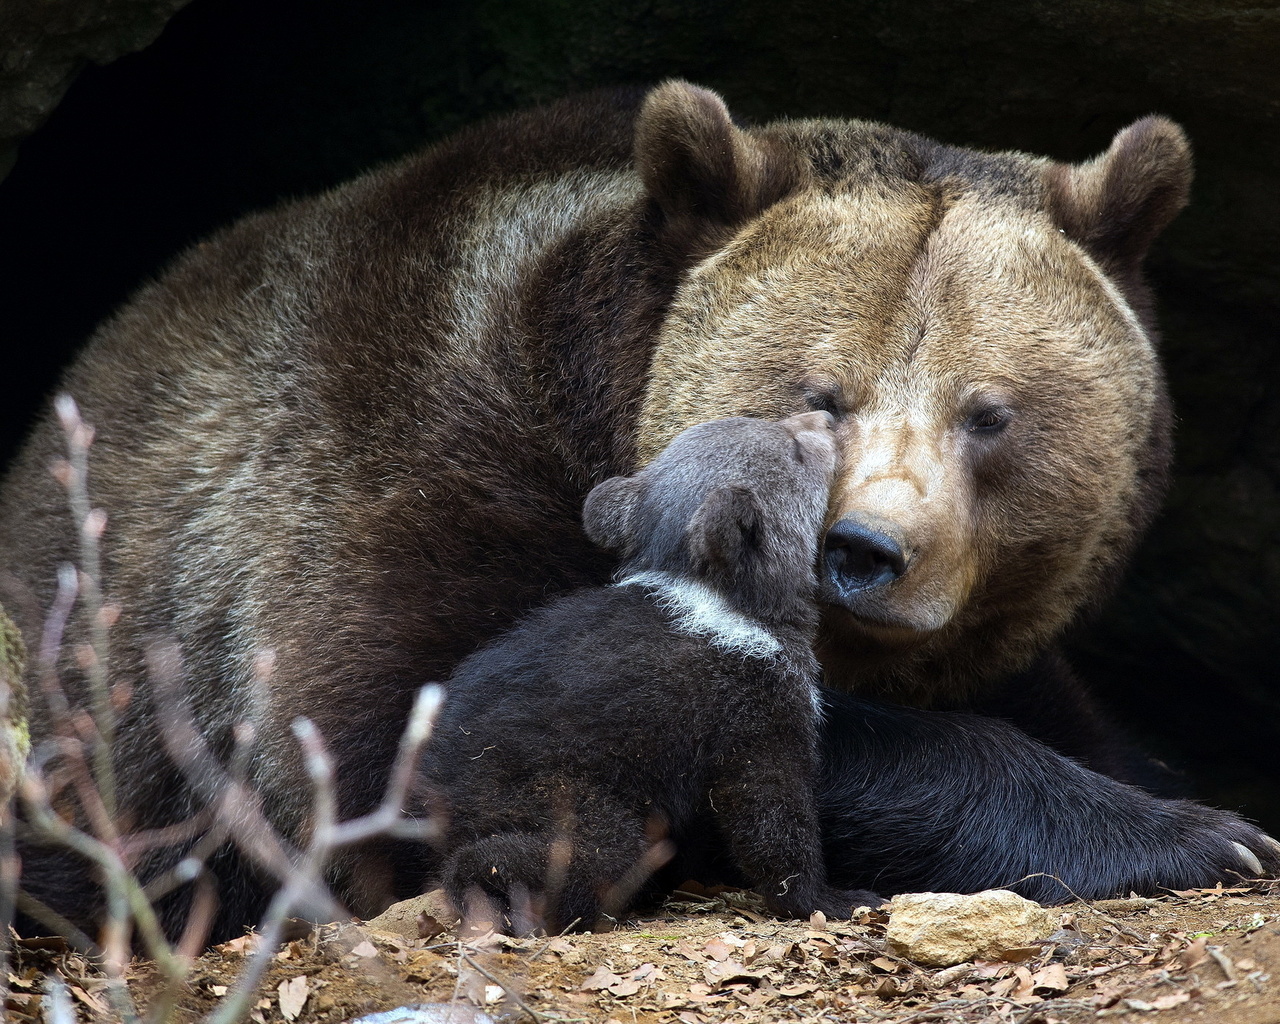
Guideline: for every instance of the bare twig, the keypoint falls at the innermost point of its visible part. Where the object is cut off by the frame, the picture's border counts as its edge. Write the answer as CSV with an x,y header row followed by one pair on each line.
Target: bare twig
x,y
90,523
76,764
304,883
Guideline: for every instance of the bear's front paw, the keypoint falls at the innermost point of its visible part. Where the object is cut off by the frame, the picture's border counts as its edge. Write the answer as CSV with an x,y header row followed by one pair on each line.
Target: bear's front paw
x,y
1218,846
1258,853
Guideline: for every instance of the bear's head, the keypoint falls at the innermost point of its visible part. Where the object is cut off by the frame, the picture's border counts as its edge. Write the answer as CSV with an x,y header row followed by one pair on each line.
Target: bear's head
x,y
736,503
978,327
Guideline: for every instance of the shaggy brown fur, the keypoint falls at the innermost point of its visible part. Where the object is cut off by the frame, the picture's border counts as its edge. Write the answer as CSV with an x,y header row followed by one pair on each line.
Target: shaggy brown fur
x,y
356,430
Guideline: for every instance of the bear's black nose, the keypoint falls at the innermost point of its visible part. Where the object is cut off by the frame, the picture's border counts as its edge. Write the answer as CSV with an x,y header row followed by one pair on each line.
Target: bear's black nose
x,y
858,556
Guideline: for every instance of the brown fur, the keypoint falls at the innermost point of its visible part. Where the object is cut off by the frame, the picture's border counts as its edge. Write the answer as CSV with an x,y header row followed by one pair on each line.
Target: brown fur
x,y
905,298
357,430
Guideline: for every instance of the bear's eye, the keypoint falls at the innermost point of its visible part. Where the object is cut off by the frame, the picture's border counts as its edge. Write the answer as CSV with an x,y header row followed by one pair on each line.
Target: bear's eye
x,y
987,421
823,401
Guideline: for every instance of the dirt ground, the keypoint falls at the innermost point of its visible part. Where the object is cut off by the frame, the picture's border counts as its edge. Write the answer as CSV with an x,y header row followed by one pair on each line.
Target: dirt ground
x,y
1203,956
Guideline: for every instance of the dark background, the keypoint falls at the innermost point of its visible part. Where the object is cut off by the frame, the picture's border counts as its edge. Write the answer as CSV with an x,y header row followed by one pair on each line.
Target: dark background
x,y
239,104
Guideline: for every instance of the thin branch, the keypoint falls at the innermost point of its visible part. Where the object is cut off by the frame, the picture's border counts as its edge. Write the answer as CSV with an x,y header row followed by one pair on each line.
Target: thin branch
x,y
90,523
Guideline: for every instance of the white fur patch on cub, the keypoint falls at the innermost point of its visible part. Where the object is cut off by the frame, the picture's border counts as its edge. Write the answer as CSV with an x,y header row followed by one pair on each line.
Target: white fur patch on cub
x,y
700,611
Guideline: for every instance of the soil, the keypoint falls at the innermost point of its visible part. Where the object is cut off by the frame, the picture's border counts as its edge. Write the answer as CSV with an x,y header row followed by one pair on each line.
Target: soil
x,y
1209,956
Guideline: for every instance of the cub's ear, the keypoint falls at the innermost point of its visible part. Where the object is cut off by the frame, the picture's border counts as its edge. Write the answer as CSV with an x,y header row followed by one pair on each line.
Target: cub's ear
x,y
608,514
725,528
1116,204
700,168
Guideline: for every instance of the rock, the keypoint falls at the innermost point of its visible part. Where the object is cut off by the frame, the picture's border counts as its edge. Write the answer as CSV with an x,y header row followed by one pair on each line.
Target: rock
x,y
45,43
403,918
942,929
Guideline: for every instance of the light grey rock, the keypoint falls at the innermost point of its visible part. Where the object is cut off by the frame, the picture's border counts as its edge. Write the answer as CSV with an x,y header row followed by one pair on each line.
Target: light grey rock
x,y
942,929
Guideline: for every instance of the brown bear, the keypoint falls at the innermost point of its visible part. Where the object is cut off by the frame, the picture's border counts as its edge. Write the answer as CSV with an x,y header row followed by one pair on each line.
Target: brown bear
x,y
682,698
627,737
356,430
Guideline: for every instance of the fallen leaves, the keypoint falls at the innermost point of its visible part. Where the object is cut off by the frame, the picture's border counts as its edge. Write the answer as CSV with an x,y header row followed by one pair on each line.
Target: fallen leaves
x,y
293,996
1168,961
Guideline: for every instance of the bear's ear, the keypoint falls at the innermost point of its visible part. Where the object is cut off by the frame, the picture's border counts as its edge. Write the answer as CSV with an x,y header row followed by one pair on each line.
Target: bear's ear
x,y
725,528
700,168
609,512
1116,204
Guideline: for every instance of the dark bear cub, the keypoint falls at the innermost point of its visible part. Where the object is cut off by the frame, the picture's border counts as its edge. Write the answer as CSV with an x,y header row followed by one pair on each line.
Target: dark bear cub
x,y
592,741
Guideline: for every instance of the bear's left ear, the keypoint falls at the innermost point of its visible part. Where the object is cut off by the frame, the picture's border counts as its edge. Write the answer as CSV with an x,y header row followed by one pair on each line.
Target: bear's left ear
x,y
609,511
701,169
725,528
1116,204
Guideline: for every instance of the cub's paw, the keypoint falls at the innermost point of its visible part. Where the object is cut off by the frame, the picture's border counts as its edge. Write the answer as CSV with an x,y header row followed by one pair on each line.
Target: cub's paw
x,y
834,904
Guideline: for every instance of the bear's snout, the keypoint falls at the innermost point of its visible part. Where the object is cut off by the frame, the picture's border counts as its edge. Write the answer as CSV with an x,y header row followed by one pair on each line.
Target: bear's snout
x,y
859,554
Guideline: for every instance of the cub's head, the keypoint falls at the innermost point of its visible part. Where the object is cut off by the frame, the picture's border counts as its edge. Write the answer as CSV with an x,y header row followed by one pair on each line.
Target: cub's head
x,y
737,503
978,329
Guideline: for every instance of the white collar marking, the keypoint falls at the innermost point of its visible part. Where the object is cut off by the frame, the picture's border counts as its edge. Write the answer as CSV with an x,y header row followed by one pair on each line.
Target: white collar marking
x,y
700,611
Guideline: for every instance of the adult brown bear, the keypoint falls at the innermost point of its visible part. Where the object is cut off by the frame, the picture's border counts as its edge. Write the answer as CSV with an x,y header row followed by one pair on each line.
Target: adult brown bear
x,y
357,430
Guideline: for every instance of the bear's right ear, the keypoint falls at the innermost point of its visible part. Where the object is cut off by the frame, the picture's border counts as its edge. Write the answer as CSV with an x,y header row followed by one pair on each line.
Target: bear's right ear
x,y
725,528
609,511
700,168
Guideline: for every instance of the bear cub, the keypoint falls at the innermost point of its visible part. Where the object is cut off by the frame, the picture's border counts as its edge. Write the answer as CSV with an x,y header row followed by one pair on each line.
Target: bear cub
x,y
624,725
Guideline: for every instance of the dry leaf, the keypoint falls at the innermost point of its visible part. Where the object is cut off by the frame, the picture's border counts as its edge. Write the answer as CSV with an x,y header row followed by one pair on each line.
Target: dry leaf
x,y
718,950
721,975
602,979
1024,991
791,991
1052,978
625,987
293,995
1018,954
1169,1002
887,988
245,944
365,949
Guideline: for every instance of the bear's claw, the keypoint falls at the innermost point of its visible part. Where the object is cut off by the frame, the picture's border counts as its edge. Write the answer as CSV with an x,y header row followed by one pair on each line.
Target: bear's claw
x,y
1250,859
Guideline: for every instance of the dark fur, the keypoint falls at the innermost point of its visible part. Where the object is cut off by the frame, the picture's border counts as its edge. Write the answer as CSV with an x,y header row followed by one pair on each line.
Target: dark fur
x,y
916,801
600,724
